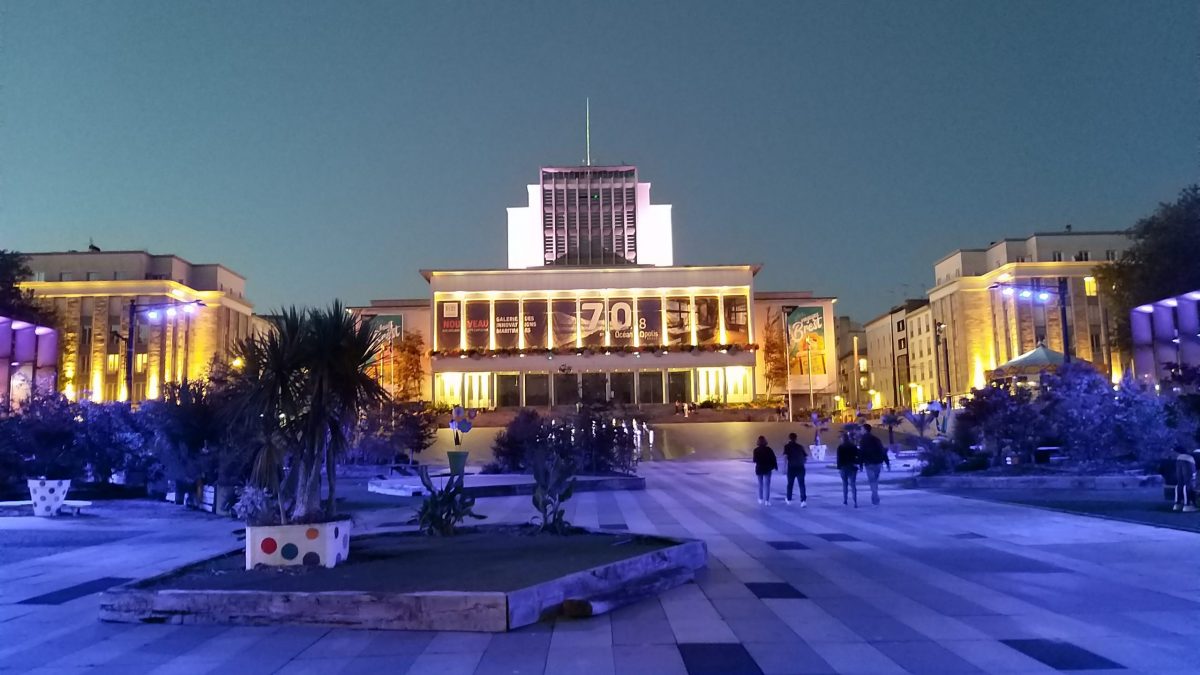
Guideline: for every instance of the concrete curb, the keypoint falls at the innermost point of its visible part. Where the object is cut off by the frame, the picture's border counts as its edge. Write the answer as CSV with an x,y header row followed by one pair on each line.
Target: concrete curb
x,y
605,484
484,611
1119,482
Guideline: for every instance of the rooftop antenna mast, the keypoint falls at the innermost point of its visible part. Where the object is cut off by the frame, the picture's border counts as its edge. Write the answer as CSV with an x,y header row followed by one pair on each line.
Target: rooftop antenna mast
x,y
588,128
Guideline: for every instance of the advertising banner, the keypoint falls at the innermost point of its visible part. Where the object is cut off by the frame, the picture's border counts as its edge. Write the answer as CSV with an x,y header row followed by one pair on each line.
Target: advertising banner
x,y
507,317
620,322
563,322
708,320
679,324
533,323
806,344
591,321
649,318
479,324
449,325
737,320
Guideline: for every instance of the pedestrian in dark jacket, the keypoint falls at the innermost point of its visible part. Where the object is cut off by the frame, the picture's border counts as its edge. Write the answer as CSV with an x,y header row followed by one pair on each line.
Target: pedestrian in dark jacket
x,y
764,464
872,455
796,457
1185,477
847,464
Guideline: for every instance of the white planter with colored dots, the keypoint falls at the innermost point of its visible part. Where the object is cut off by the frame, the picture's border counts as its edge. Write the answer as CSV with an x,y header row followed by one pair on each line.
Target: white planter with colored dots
x,y
48,495
318,544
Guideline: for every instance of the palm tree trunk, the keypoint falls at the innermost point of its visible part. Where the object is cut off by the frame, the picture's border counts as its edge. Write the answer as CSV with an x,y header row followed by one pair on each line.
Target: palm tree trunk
x,y
331,476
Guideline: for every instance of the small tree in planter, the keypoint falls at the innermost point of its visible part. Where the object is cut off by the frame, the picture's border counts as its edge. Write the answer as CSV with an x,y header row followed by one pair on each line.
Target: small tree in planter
x,y
818,424
298,398
43,436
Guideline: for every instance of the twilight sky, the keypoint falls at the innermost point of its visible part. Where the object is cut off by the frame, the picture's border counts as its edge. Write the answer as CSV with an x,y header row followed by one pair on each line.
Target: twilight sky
x,y
331,149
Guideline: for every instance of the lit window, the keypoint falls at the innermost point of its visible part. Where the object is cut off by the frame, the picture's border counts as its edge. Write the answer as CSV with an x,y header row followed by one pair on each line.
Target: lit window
x,y
113,363
862,365
140,362
1089,286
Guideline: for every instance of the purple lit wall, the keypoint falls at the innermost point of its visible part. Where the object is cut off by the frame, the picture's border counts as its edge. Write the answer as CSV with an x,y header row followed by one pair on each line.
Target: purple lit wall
x,y
1166,331
28,360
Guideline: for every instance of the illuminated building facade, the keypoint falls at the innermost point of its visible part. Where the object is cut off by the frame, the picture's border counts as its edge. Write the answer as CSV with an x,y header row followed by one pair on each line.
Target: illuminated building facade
x,y
186,316
592,308
889,354
989,306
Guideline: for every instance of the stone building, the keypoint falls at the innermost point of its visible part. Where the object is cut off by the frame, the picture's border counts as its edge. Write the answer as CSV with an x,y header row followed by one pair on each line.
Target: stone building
x,y
186,316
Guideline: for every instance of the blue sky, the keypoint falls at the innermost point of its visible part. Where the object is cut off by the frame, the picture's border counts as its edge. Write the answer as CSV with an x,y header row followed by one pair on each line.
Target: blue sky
x,y
332,149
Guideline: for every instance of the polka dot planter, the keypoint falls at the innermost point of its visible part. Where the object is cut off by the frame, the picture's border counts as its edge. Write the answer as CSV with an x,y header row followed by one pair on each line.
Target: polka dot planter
x,y
48,495
321,544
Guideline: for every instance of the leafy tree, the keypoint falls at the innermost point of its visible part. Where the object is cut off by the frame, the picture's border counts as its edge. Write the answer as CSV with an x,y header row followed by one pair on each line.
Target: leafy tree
x,y
410,351
14,302
1147,426
1161,262
774,353
395,429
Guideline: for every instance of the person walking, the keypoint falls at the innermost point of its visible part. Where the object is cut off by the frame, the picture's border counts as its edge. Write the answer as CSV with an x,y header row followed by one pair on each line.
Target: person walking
x,y
873,456
796,457
764,464
847,464
1185,475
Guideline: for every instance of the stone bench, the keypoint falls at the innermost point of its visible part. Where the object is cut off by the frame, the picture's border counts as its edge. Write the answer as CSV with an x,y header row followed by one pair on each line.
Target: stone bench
x,y
70,504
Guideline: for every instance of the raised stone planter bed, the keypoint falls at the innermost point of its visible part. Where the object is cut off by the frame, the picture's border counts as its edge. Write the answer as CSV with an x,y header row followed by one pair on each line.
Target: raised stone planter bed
x,y
1044,482
486,579
502,485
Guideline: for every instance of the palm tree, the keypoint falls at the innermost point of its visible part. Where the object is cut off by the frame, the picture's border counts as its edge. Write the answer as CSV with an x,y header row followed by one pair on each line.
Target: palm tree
x,y
299,394
338,385
891,420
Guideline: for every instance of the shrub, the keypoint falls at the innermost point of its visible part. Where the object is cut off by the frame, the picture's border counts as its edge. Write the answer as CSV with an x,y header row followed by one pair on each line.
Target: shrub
x,y
1008,421
512,446
937,459
110,440
976,461
256,507
1078,406
183,432
42,438
445,509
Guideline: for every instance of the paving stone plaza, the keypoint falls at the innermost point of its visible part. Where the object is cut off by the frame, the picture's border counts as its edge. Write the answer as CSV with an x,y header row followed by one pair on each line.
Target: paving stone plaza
x,y
924,583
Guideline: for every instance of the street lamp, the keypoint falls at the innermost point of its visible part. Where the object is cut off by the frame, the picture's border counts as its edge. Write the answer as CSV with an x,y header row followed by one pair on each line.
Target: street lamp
x,y
1043,294
152,311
